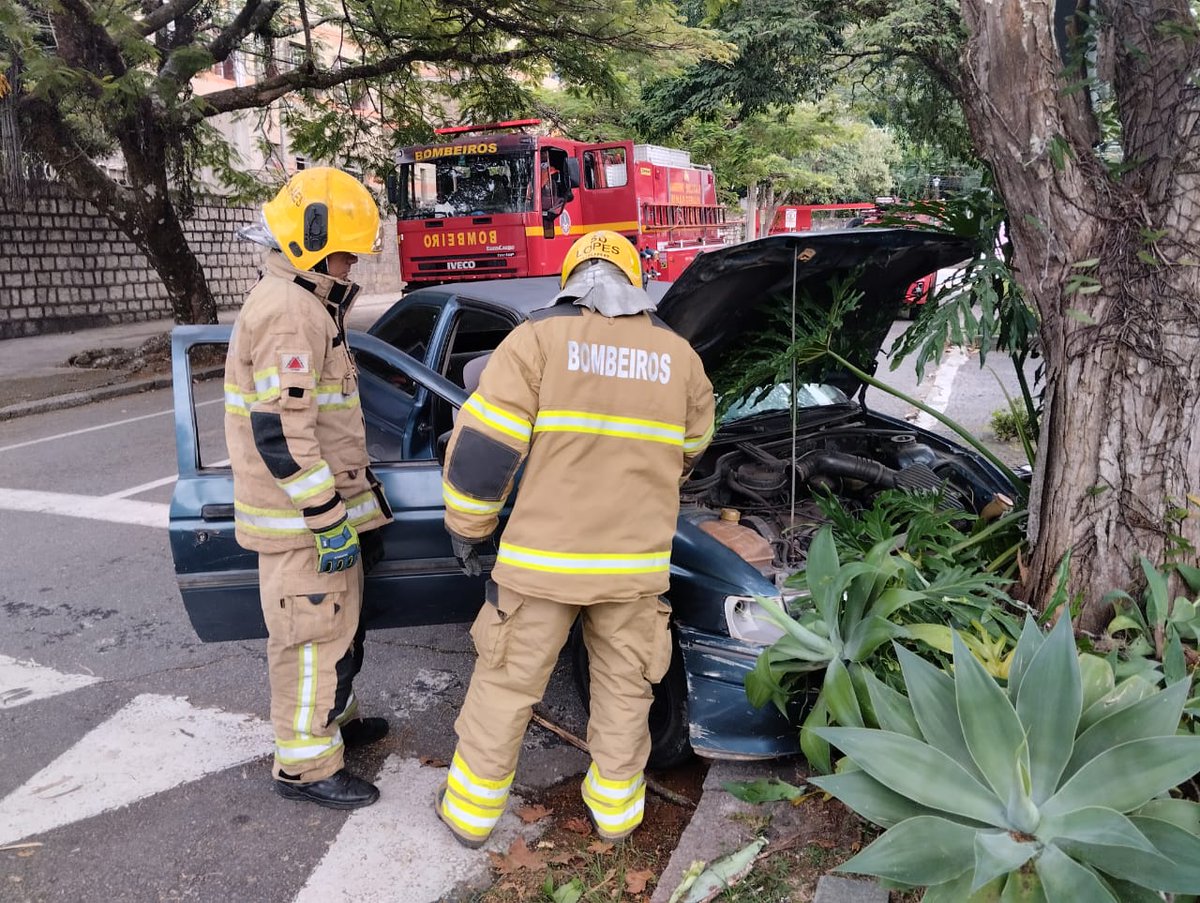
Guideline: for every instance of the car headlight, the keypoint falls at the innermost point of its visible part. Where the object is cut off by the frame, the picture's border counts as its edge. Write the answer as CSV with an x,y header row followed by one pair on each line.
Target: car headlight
x,y
745,619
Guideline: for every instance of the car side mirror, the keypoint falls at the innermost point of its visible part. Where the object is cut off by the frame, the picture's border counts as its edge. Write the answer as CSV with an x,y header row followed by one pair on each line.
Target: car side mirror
x,y
441,447
392,184
573,174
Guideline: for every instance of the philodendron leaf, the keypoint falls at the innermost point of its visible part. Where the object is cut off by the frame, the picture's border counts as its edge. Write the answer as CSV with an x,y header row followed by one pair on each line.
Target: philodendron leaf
x,y
1154,716
1049,705
838,692
931,692
893,711
1181,813
1094,825
764,790
989,724
1129,775
918,851
998,853
907,766
1066,881
1028,644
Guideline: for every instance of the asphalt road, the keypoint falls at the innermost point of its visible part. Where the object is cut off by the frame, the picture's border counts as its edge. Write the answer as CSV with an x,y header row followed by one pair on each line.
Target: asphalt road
x,y
134,759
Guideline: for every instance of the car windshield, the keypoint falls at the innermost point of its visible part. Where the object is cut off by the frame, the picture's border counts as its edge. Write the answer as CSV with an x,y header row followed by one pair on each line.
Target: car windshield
x,y
467,185
808,395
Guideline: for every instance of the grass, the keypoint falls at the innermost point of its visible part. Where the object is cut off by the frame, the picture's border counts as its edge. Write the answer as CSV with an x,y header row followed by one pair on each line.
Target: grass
x,y
1009,424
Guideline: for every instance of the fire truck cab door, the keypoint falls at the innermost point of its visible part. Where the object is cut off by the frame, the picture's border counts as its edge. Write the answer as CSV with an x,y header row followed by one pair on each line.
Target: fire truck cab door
x,y
608,195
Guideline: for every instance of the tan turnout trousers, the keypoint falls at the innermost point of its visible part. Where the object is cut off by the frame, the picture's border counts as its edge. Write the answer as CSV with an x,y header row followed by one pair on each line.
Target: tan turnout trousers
x,y
518,639
314,652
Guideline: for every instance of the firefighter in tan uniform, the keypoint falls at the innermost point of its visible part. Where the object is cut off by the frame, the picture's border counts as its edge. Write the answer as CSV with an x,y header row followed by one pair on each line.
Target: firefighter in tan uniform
x,y
609,409
304,498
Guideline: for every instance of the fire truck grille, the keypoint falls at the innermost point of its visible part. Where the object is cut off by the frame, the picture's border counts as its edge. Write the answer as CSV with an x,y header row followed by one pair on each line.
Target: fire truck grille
x,y
467,265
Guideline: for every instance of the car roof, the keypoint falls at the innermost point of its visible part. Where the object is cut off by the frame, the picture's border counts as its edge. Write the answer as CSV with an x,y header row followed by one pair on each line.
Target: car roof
x,y
521,296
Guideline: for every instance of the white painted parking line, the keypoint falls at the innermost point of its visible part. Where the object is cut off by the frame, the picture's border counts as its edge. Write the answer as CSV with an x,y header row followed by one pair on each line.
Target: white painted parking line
x,y
22,682
113,510
144,487
398,850
153,744
100,426
939,394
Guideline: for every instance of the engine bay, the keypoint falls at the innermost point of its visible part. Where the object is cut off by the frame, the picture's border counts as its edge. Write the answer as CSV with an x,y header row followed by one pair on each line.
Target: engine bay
x,y
757,495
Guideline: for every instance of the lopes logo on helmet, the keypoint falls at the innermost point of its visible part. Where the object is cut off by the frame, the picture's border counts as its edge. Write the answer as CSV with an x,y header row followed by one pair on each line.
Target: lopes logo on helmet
x,y
604,244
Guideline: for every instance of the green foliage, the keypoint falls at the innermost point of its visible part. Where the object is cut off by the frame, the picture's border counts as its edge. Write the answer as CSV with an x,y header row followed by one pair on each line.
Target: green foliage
x,y
983,305
1011,423
846,612
764,790
1047,789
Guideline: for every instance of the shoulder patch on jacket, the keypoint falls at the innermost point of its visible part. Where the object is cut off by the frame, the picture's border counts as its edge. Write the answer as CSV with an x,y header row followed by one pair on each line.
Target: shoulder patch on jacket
x,y
480,466
558,310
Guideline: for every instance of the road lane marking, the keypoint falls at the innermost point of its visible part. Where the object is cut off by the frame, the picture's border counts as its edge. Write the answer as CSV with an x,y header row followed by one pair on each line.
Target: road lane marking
x,y
144,487
25,681
939,394
100,426
398,843
155,743
111,510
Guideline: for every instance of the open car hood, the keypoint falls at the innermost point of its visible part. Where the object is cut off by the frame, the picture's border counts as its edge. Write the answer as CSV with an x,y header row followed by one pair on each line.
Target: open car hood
x,y
726,296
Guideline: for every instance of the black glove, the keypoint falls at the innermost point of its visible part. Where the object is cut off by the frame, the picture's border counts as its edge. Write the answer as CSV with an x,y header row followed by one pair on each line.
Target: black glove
x,y
370,546
466,552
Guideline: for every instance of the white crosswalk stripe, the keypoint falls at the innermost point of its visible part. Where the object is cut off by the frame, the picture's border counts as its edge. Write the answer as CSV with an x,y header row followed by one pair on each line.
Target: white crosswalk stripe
x,y
398,843
23,682
153,744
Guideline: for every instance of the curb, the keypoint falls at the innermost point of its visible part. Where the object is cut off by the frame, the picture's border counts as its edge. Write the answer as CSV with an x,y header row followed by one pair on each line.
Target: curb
x,y
76,399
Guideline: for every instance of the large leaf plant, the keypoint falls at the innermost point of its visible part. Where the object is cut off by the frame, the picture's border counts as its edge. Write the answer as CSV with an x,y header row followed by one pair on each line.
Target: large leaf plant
x,y
1052,789
846,614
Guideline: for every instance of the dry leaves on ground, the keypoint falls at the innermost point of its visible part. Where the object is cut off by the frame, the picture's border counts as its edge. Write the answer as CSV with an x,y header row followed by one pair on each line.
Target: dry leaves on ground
x,y
530,814
577,825
635,882
518,857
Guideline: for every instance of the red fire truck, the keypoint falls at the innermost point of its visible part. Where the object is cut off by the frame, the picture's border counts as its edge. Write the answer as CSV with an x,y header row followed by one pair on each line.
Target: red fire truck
x,y
496,201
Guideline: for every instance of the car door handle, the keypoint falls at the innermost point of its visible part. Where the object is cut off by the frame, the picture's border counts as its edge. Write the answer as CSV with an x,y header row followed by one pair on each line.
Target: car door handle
x,y
216,512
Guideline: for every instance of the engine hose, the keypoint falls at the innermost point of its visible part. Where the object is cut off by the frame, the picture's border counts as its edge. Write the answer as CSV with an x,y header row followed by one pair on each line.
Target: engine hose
x,y
842,465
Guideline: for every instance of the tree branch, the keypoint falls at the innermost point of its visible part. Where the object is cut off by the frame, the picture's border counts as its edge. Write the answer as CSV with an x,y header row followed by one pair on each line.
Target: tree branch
x,y
164,15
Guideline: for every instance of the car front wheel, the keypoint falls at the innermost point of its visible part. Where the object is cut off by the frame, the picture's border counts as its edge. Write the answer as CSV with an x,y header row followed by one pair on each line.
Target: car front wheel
x,y
669,742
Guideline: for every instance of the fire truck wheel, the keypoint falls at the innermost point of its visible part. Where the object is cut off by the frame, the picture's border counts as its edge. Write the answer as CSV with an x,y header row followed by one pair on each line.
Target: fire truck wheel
x,y
669,742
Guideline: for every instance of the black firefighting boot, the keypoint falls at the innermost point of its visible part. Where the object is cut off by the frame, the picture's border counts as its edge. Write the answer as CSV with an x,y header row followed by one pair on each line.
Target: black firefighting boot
x,y
341,790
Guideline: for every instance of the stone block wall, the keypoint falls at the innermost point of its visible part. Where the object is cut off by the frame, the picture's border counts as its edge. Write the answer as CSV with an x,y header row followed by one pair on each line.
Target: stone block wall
x,y
64,266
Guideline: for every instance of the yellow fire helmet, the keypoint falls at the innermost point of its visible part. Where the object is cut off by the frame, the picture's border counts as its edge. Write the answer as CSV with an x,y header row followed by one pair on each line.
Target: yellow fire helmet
x,y
605,245
319,212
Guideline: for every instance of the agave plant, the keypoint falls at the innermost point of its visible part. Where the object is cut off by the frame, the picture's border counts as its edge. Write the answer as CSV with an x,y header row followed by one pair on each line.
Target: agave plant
x,y
851,610
1053,789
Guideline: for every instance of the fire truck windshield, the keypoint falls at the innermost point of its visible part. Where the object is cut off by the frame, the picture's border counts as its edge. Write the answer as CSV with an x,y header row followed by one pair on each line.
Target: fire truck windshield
x,y
467,185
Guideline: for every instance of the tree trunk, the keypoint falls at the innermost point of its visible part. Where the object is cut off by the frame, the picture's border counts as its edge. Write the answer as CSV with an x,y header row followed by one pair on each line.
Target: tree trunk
x,y
167,249
1107,255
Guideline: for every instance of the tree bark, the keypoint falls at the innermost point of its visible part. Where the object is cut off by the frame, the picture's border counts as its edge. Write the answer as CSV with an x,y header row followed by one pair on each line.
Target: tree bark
x,y
1109,257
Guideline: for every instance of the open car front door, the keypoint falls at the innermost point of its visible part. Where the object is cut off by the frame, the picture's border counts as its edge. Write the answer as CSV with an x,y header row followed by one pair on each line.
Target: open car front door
x,y
418,582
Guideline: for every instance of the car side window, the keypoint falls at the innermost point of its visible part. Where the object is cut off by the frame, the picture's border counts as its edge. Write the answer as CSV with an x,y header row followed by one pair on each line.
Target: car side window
x,y
476,333
411,329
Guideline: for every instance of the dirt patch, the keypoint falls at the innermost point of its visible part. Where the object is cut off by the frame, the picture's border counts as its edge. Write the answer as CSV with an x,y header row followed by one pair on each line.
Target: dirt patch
x,y
152,356
571,852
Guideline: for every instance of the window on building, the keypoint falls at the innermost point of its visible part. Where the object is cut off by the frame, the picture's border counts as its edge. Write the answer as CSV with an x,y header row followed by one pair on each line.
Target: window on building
x,y
227,68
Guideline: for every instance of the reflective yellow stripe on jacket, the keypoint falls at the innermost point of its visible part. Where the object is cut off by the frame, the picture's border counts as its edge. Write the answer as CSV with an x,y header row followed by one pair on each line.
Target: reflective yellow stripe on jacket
x,y
468,504
583,562
692,444
550,421
305,747
499,419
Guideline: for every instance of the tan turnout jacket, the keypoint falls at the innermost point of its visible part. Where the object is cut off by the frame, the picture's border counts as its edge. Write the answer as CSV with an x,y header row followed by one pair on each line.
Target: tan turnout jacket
x,y
295,431
611,413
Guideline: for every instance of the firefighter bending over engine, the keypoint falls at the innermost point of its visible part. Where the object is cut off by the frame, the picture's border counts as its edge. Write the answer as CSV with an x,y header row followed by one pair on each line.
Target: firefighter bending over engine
x,y
304,498
611,408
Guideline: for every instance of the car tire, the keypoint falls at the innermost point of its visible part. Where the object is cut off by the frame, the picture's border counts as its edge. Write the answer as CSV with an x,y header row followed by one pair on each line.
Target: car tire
x,y
670,744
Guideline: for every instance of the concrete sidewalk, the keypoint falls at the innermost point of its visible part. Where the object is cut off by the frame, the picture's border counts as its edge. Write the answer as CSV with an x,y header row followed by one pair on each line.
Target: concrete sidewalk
x,y
35,376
